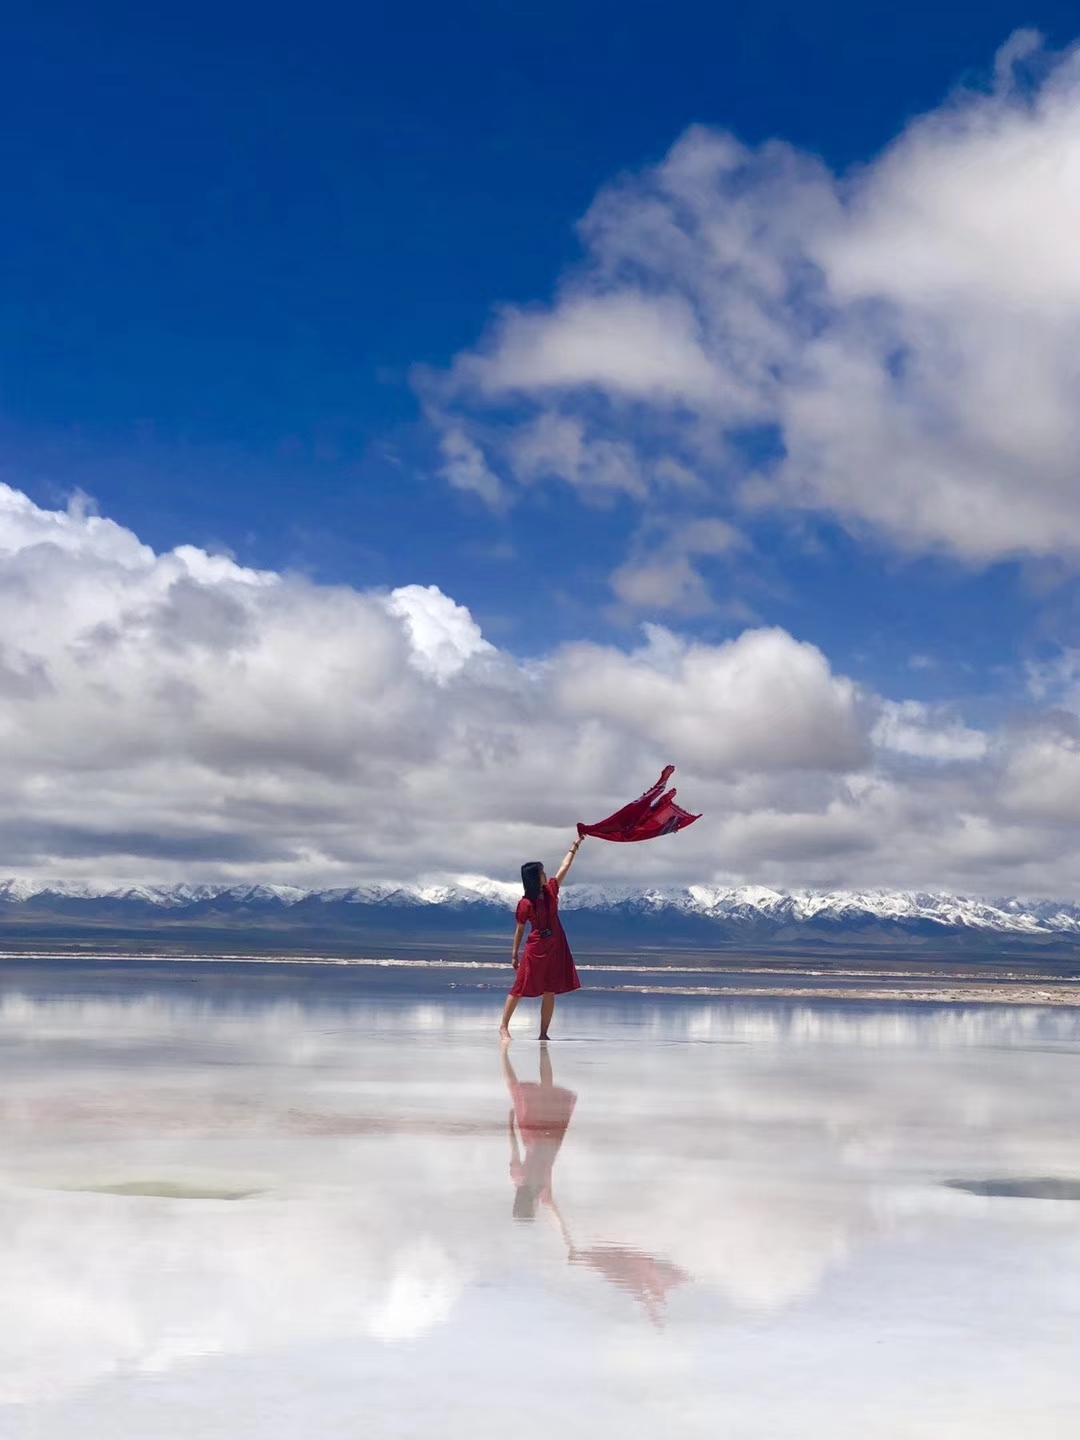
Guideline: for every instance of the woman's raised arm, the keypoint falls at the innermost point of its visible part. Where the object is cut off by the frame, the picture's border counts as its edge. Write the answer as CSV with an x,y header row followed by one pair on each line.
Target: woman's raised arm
x,y
568,860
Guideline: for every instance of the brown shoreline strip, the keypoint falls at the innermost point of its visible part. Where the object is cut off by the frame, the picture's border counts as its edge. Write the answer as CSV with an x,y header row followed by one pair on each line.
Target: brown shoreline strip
x,y
943,995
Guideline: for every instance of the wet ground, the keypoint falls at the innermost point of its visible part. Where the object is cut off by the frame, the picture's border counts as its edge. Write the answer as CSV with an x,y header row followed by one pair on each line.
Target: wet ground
x,y
269,1201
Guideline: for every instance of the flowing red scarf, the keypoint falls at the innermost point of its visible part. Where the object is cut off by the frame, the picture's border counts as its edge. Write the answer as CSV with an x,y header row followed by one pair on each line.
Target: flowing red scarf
x,y
654,813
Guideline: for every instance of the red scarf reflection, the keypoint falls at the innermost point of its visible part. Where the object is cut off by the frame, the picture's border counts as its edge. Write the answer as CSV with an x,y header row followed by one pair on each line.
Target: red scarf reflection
x,y
538,1123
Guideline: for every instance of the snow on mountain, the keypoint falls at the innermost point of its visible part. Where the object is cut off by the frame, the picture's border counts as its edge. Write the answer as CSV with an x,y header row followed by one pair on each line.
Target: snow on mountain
x,y
732,907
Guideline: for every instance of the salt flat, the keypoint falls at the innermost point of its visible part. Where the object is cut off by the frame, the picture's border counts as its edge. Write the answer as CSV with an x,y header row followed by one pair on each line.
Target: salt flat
x,y
274,1205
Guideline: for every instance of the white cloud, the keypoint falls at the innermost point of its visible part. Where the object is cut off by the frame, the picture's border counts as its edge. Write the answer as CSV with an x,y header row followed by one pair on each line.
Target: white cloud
x,y
761,702
631,342
663,577
1042,779
668,581
911,728
556,445
443,636
465,467
179,717
908,333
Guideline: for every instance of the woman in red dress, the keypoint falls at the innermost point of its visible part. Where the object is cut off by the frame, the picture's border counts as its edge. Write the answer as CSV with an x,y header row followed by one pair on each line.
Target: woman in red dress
x,y
542,1113
546,967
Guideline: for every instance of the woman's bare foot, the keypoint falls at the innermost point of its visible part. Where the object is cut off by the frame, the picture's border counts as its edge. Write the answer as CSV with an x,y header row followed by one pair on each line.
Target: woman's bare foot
x,y
544,1035
504,1033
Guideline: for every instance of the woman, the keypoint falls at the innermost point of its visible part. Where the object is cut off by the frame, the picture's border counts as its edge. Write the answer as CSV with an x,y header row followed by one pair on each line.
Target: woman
x,y
546,967
540,1115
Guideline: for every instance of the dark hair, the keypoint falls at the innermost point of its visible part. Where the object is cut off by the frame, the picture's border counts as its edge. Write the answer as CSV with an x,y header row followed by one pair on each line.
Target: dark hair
x,y
525,1198
530,879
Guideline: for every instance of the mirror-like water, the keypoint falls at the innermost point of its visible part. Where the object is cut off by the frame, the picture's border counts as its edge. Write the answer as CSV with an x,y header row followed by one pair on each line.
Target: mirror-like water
x,y
282,1206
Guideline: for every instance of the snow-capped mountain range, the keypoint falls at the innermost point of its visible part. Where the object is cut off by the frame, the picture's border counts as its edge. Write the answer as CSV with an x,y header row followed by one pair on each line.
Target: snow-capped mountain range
x,y
697,915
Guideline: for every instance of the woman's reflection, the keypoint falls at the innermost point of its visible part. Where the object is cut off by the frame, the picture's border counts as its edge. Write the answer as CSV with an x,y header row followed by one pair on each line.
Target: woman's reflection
x,y
540,1116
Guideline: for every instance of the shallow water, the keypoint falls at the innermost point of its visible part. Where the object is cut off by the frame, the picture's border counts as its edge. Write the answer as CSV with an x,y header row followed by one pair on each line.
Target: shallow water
x,y
268,1203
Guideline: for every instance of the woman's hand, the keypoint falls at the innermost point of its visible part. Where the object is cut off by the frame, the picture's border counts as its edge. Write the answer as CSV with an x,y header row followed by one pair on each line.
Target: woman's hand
x,y
514,961
569,859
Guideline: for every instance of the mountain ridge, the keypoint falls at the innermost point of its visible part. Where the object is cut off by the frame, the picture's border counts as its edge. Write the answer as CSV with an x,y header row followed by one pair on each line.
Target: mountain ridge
x,y
729,912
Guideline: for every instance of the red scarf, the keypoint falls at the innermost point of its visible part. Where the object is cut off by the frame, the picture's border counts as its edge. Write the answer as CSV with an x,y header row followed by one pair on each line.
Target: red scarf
x,y
654,813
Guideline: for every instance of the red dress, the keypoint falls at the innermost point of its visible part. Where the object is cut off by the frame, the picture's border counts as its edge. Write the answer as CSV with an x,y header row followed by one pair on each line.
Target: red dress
x,y
542,1113
546,965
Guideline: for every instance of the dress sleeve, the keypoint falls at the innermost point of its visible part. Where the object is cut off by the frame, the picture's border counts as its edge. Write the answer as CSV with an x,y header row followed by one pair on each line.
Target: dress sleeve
x,y
553,886
523,911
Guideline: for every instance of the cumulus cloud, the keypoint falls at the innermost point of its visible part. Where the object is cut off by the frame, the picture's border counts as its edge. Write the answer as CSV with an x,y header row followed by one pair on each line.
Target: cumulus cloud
x,y
761,702
179,712
443,636
180,717
895,348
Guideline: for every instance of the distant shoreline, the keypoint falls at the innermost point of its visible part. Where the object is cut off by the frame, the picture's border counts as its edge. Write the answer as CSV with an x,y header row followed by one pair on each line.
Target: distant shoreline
x,y
741,977
978,993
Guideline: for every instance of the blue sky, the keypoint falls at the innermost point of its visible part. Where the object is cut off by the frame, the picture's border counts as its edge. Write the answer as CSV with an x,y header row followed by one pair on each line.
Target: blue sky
x,y
232,236
262,271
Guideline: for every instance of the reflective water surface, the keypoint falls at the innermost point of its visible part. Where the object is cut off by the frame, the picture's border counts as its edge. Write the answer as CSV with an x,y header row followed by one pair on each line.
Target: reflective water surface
x,y
247,1210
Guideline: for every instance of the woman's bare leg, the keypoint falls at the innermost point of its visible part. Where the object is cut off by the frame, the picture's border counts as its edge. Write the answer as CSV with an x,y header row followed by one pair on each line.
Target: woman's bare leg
x,y
547,1009
508,1010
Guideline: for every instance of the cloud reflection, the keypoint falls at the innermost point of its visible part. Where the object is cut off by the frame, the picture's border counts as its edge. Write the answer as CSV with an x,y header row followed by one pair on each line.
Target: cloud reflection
x,y
183,1179
541,1114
